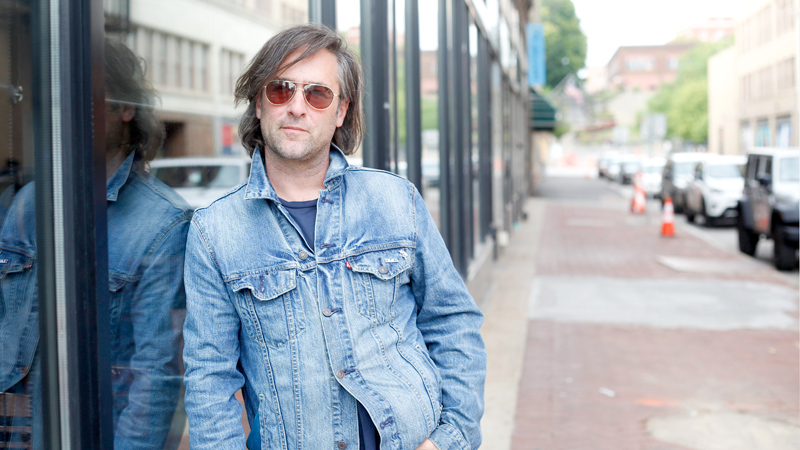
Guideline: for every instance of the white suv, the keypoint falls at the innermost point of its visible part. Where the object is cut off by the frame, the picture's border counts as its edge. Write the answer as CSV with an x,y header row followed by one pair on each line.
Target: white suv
x,y
715,190
200,181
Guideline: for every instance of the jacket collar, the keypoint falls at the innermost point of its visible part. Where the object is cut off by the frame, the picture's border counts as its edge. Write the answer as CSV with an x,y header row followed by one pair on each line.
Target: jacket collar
x,y
258,185
115,183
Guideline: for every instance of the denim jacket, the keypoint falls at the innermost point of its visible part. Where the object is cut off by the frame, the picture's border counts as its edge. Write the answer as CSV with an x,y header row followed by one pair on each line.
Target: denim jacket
x,y
372,310
147,225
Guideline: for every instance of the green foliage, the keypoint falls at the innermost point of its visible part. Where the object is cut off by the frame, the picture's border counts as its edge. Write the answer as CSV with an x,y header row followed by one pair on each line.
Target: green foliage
x,y
430,113
565,43
561,128
685,101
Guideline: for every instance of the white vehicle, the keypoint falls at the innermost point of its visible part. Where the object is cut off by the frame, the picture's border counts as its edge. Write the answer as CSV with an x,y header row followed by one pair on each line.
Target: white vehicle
x,y
200,181
651,176
715,189
629,166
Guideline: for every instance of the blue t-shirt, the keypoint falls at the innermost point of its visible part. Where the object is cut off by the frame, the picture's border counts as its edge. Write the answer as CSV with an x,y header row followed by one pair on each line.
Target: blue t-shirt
x,y
305,214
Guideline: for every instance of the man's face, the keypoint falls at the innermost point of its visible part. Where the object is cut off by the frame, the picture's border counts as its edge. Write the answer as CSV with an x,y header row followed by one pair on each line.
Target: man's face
x,y
295,131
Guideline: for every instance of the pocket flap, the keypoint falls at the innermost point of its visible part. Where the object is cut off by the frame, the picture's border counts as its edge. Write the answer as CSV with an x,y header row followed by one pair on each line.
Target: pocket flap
x,y
115,284
384,264
14,262
266,286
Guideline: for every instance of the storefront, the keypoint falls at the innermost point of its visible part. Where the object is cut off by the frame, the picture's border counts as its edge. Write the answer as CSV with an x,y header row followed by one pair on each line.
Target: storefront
x,y
91,272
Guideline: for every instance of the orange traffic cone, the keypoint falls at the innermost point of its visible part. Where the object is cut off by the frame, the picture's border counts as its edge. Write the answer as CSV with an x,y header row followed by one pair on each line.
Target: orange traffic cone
x,y
668,219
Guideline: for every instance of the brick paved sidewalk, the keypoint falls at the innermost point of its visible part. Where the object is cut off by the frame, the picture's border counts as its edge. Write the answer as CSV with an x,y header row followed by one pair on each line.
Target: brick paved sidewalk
x,y
595,385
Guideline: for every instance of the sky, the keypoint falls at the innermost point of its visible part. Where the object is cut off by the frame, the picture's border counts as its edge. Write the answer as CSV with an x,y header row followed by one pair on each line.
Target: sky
x,y
610,24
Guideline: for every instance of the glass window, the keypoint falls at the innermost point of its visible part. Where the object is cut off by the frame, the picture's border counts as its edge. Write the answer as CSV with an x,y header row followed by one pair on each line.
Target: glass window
x,y
790,170
474,160
429,88
763,134
783,132
725,171
20,371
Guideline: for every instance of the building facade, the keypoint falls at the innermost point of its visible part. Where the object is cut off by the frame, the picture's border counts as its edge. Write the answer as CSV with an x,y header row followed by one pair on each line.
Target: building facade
x,y
753,86
66,246
645,68
768,47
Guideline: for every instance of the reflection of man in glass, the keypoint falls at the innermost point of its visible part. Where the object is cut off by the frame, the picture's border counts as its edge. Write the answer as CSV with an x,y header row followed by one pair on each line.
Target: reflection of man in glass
x,y
147,225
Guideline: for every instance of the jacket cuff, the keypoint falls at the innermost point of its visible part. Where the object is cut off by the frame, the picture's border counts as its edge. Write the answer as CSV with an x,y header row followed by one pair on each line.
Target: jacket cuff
x,y
447,437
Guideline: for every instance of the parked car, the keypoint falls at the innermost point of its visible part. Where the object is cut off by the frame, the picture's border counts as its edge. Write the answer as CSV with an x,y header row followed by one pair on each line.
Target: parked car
x,y
629,166
769,205
715,189
676,176
603,162
200,181
651,176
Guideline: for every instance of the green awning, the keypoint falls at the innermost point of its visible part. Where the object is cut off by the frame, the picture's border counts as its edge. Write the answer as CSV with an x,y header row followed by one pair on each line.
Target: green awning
x,y
543,115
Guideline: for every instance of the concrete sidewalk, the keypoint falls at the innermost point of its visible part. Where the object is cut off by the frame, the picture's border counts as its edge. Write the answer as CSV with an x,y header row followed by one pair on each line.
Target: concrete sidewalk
x,y
506,325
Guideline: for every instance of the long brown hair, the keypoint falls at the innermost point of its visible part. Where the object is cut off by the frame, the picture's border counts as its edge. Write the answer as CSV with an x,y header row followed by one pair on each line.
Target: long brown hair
x,y
271,59
126,83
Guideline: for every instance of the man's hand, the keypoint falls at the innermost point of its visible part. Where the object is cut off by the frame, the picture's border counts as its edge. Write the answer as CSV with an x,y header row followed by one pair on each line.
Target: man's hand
x,y
427,445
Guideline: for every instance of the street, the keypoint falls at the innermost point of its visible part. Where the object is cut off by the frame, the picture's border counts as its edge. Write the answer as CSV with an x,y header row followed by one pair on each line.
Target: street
x,y
602,334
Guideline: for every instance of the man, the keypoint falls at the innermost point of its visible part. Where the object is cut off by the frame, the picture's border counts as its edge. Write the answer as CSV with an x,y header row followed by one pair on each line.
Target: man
x,y
147,226
324,291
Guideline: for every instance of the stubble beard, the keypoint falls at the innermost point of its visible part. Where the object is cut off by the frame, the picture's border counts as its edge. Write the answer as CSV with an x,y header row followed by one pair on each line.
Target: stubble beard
x,y
292,150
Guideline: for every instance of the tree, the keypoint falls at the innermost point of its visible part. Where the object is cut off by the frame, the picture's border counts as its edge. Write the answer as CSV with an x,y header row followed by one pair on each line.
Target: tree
x,y
565,43
685,101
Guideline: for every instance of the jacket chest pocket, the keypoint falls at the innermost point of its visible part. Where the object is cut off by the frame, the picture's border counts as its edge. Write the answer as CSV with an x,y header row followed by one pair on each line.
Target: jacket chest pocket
x,y
271,308
377,278
17,283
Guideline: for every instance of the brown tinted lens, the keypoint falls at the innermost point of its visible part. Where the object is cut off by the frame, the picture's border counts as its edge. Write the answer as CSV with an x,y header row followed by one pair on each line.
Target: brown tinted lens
x,y
280,92
318,96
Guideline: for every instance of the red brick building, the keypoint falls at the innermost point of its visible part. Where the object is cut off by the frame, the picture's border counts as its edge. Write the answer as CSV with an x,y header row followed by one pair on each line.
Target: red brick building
x,y
645,68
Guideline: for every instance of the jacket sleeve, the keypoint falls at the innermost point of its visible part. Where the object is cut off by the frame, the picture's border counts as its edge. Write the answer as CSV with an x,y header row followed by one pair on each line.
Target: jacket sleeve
x,y
155,387
211,351
449,321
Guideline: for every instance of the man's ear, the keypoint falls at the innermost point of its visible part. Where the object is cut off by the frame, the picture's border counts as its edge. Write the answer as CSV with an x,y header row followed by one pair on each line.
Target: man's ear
x,y
258,107
341,112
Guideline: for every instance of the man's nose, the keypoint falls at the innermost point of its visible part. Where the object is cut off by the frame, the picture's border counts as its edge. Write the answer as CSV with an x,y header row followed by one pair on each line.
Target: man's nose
x,y
297,106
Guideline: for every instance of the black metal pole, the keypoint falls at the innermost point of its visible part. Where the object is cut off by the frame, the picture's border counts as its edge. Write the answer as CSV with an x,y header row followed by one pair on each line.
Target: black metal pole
x,y
375,60
413,95
484,135
322,11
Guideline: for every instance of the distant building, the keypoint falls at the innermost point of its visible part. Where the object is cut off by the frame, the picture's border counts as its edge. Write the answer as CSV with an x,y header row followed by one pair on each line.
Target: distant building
x,y
753,89
645,68
723,103
709,30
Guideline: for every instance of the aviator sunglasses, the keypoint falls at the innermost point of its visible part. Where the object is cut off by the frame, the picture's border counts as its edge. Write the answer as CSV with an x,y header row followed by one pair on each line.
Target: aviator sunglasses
x,y
280,92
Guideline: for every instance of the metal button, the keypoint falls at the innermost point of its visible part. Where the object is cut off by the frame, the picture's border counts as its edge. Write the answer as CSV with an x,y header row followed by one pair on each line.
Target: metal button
x,y
303,255
327,312
383,269
340,374
341,445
